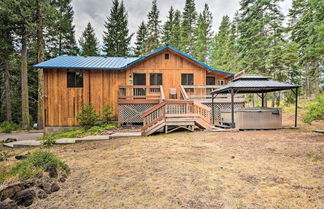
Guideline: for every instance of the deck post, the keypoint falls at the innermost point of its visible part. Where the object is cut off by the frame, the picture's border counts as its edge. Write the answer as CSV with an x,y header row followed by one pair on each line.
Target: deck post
x,y
213,111
232,104
296,107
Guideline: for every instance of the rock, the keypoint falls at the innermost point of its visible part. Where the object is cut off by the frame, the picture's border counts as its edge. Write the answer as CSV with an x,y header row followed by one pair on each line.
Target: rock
x,y
41,194
46,187
8,140
8,204
21,157
11,190
25,197
52,172
62,179
55,187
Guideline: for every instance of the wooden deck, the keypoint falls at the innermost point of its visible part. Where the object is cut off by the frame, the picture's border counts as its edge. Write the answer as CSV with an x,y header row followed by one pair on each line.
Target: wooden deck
x,y
172,115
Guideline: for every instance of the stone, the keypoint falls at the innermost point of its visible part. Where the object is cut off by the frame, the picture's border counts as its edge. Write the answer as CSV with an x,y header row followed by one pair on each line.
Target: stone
x,y
41,194
25,197
46,187
52,172
62,179
8,140
8,204
55,187
11,190
21,157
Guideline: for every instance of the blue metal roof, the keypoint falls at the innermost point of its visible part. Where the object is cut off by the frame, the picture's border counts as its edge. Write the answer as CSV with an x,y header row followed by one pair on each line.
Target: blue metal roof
x,y
110,63
87,62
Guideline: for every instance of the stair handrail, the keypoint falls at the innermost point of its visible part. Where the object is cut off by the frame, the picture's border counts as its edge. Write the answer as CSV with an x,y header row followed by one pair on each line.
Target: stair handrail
x,y
183,93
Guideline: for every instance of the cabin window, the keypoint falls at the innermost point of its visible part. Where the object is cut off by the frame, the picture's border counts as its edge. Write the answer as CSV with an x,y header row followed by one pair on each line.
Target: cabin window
x,y
74,79
155,79
187,79
210,80
139,79
166,56
220,82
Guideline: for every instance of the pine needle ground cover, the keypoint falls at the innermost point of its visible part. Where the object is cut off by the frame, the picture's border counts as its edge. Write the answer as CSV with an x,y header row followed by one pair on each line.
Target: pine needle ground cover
x,y
251,169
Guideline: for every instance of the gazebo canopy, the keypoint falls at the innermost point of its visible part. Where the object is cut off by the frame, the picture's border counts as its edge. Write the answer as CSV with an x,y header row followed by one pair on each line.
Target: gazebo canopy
x,y
254,84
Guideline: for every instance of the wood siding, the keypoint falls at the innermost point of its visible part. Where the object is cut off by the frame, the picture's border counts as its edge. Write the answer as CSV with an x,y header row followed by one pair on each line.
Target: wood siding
x,y
100,87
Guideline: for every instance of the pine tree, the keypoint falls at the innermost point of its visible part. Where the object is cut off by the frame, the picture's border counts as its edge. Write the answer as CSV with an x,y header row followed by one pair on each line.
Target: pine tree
x,y
222,42
61,34
203,34
141,37
167,27
88,42
116,37
306,29
259,28
188,25
153,28
176,30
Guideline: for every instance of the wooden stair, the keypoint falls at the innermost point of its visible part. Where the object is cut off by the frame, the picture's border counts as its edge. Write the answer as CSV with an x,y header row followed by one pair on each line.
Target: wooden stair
x,y
172,115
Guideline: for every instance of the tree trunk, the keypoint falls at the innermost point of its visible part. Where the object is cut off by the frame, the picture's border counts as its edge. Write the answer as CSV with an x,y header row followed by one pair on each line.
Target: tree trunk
x,y
7,90
308,85
24,83
40,58
317,82
273,99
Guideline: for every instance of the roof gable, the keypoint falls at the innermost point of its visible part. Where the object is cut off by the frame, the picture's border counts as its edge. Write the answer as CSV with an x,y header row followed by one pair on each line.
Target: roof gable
x,y
111,63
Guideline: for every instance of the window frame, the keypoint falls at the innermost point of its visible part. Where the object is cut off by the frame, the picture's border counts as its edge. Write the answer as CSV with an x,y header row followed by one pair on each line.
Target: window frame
x,y
155,79
76,83
193,79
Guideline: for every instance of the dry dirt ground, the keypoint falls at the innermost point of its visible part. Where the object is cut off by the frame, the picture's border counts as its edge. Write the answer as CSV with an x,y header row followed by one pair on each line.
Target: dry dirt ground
x,y
251,169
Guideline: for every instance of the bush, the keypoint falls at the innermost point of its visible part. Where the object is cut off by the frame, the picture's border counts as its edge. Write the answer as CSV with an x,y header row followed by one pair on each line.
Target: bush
x,y
8,127
87,116
107,110
35,163
315,111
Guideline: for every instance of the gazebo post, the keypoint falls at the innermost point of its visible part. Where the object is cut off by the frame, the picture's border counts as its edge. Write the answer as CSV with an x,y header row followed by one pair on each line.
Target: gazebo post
x,y
232,101
213,111
262,98
296,107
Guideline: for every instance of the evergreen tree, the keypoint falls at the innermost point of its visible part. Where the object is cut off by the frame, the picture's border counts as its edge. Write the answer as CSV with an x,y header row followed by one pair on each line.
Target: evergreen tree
x,y
222,46
203,34
153,28
188,25
61,34
141,37
306,29
116,37
88,42
259,28
167,28
176,30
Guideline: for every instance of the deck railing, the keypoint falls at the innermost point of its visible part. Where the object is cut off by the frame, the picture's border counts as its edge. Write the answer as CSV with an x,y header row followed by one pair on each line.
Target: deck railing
x,y
179,108
203,94
137,92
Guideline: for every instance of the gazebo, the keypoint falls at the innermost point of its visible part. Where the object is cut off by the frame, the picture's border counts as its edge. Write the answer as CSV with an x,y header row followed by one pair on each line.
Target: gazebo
x,y
258,84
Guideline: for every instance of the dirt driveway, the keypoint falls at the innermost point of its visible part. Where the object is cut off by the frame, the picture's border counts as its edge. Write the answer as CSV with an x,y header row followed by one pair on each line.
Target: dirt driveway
x,y
252,169
31,135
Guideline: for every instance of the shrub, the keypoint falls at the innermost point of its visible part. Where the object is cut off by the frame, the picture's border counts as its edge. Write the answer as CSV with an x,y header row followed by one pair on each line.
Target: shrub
x,y
35,163
315,111
87,116
8,127
107,110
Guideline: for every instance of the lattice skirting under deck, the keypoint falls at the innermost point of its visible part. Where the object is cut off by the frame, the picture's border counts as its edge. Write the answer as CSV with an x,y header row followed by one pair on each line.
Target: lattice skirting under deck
x,y
130,114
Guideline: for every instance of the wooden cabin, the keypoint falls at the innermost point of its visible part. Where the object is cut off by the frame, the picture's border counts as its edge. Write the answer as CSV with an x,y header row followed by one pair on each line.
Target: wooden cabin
x,y
137,89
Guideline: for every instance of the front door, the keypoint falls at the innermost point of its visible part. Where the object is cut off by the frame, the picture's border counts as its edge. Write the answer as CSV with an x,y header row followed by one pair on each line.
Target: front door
x,y
139,80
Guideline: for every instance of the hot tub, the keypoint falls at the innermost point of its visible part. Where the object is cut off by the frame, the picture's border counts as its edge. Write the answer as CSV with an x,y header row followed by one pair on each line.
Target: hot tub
x,y
255,118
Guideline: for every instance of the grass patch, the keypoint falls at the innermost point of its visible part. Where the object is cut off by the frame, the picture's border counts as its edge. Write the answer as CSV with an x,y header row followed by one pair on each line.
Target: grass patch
x,y
316,157
36,162
77,133
8,127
